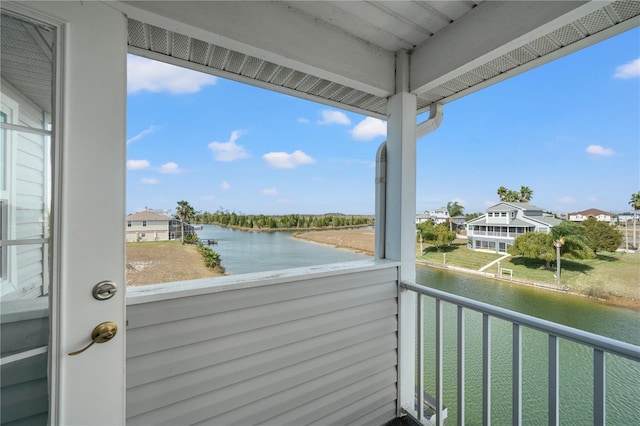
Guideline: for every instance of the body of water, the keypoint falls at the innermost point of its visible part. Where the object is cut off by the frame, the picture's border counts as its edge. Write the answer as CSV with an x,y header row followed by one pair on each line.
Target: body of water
x,y
244,252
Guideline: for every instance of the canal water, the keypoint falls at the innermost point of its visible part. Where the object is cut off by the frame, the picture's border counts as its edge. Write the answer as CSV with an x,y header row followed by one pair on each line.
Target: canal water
x,y
243,252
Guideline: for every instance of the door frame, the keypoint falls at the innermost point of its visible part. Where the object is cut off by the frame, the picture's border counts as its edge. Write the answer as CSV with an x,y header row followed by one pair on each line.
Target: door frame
x,y
88,207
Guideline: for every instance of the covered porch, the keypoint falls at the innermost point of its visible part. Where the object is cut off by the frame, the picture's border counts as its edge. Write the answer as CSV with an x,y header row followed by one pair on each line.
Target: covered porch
x,y
335,344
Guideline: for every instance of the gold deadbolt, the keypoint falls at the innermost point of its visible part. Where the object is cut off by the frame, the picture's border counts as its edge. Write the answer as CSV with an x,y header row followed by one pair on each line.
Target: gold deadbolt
x,y
102,333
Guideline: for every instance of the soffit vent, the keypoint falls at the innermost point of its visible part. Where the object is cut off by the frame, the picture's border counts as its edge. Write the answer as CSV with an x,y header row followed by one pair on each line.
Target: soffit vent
x,y
217,60
589,25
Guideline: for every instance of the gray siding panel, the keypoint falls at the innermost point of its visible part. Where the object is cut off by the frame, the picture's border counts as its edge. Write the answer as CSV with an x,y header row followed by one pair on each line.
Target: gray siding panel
x,y
296,351
24,326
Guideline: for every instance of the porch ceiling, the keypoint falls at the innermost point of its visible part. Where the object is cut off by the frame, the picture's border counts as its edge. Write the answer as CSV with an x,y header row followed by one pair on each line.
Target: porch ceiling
x,y
342,53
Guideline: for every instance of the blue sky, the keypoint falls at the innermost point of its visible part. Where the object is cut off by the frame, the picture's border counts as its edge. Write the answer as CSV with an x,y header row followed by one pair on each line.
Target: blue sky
x,y
569,130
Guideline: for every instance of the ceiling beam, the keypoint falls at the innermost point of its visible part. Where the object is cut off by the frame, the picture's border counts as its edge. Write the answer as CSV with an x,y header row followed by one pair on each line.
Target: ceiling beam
x,y
490,30
276,33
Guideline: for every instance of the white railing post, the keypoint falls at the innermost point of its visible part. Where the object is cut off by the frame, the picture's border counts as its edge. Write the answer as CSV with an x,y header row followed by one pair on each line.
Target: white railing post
x,y
554,381
461,367
486,369
516,398
599,392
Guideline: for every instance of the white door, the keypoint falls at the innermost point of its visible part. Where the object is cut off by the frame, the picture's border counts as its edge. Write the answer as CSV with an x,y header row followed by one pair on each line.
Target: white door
x,y
62,205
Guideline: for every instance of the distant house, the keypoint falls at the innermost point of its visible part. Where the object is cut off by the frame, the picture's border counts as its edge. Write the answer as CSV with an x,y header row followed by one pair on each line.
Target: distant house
x,y
438,216
503,223
458,221
150,226
600,215
627,217
420,218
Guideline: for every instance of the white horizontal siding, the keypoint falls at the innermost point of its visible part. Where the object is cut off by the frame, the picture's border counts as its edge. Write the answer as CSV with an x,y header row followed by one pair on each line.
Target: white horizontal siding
x,y
312,348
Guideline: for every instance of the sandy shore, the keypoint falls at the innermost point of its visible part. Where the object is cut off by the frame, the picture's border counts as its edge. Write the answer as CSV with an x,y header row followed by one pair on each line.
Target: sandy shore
x,y
360,240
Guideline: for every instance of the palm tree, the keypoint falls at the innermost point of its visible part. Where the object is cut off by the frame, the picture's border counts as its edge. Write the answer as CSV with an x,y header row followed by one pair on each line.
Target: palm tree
x,y
502,192
184,213
571,237
454,209
526,194
635,205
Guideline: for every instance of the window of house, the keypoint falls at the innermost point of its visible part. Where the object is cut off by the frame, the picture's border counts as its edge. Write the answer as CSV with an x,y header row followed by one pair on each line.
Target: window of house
x,y
129,224
144,223
3,153
503,214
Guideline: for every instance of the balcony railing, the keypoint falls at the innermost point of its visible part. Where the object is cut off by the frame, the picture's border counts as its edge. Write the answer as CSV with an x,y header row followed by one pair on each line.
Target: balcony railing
x,y
494,234
600,347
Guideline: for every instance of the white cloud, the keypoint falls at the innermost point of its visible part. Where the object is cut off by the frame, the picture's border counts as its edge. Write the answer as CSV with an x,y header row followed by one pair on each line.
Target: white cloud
x,y
369,128
599,150
153,76
303,120
149,181
567,200
283,160
170,168
208,197
137,164
628,70
269,191
334,117
225,186
142,134
229,151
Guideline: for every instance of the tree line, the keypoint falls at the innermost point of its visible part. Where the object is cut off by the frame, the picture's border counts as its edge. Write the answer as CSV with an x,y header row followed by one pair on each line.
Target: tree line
x,y
281,222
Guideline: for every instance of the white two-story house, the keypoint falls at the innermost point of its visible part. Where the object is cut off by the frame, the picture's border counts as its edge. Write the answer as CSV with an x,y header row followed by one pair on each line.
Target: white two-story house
x,y
503,223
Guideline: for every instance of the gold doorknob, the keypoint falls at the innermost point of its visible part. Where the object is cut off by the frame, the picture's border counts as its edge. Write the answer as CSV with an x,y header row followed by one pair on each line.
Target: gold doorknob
x,y
103,332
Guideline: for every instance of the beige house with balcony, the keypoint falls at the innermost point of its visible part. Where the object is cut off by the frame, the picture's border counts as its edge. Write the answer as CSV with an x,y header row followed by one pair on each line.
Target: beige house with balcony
x,y
150,226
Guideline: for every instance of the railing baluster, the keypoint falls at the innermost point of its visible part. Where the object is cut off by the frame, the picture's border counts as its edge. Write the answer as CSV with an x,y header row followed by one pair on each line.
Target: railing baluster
x,y
486,369
554,376
420,352
461,369
516,399
439,419
599,391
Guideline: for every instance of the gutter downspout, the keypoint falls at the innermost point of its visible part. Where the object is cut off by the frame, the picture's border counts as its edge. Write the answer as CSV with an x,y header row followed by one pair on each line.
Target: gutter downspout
x,y
422,129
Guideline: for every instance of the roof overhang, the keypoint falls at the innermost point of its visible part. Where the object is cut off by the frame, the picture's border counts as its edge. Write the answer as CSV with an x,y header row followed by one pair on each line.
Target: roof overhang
x,y
343,53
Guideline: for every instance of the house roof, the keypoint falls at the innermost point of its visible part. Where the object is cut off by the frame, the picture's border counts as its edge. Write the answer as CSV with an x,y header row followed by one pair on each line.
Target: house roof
x,y
592,212
147,215
344,53
508,206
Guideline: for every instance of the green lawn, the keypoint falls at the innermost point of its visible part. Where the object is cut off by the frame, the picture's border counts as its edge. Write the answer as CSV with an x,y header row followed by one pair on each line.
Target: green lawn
x,y
609,274
457,255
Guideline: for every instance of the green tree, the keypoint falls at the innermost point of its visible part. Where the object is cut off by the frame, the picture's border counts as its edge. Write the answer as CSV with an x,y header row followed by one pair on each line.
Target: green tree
x,y
534,245
567,239
526,194
601,236
185,214
635,205
510,196
454,209
570,238
437,235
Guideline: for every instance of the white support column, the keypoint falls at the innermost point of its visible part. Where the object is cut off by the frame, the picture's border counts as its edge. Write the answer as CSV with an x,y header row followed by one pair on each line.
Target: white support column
x,y
400,233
